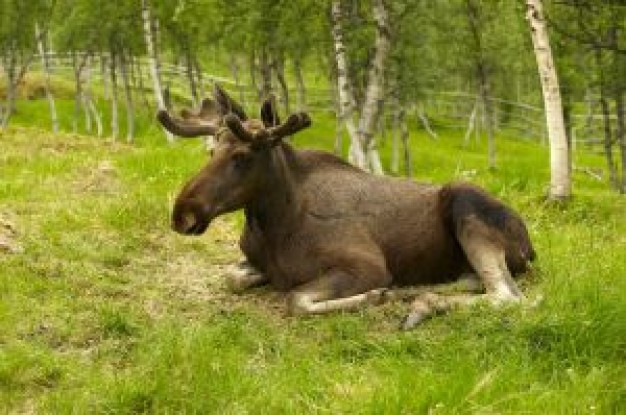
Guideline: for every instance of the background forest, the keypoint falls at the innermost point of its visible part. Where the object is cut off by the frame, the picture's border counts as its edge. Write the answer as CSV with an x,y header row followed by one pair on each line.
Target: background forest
x,y
104,309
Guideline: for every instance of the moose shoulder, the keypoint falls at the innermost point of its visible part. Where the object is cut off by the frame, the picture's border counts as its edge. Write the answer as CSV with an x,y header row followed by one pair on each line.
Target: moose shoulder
x,y
334,236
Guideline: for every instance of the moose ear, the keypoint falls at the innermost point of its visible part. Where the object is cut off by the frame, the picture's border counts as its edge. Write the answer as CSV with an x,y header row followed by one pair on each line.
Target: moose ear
x,y
226,104
269,112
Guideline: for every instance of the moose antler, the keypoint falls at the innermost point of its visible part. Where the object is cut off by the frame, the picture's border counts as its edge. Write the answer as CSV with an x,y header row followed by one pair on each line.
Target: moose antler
x,y
294,123
188,127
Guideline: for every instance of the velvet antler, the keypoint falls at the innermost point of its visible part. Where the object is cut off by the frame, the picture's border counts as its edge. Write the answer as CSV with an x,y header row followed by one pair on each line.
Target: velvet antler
x,y
295,123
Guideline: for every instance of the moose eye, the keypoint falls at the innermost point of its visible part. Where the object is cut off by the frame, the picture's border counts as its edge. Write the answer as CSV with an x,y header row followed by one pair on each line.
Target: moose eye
x,y
241,160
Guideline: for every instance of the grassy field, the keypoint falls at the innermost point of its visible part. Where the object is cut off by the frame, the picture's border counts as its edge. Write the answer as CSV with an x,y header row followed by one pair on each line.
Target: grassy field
x,y
103,309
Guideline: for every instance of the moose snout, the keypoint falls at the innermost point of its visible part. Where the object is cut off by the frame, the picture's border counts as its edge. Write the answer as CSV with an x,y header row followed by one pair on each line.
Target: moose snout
x,y
189,219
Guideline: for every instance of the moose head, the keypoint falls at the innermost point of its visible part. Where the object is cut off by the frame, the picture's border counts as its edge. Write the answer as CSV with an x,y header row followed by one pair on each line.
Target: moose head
x,y
242,155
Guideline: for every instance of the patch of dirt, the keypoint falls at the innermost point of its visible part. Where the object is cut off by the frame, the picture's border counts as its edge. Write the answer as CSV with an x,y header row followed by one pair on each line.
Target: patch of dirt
x,y
188,275
100,179
8,237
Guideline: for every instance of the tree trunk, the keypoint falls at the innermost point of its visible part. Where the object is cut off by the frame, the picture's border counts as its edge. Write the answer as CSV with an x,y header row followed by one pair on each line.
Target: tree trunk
x,y
404,136
471,124
106,90
46,70
234,70
485,96
606,117
621,134
130,112
266,74
278,65
253,79
374,93
115,128
345,92
560,179
300,85
423,117
78,92
190,74
10,67
153,59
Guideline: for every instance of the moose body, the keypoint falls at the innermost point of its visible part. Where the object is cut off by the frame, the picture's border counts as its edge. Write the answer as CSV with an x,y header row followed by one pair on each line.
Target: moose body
x,y
335,236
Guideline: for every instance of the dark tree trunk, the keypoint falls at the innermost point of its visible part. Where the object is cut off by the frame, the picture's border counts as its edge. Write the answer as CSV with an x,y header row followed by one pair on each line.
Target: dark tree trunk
x,y
266,74
300,85
621,134
606,116
278,65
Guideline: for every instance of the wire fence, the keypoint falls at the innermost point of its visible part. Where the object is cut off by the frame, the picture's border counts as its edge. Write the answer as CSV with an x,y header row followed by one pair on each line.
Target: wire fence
x,y
445,109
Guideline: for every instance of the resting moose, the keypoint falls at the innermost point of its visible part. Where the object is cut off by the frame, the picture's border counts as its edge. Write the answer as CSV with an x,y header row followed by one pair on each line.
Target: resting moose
x,y
336,237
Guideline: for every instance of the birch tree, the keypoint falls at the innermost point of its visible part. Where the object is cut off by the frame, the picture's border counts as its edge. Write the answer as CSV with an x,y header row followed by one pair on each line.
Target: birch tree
x,y
43,53
363,151
560,180
153,59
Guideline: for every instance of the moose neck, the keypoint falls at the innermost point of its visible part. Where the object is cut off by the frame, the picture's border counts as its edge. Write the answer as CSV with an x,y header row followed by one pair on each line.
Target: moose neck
x,y
277,203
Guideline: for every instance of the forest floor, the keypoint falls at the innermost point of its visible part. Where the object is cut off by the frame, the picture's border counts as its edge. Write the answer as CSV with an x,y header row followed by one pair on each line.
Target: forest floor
x,y
104,309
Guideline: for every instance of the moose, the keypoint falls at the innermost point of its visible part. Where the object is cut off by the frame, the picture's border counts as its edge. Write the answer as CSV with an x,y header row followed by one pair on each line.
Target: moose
x,y
335,237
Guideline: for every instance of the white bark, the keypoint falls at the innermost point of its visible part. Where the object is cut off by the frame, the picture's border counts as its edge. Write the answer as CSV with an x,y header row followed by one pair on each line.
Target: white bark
x,y
153,59
374,93
346,97
130,113
115,128
46,70
560,180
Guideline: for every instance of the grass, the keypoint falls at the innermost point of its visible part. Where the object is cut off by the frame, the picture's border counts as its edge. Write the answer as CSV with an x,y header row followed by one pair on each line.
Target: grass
x,y
106,310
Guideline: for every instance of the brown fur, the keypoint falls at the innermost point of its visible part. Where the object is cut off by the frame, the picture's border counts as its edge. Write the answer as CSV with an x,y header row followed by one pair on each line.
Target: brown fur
x,y
315,225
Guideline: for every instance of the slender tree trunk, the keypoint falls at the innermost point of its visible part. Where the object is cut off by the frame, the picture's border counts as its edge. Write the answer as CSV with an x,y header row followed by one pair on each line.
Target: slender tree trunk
x,y
10,67
253,78
266,74
606,117
374,93
234,70
423,117
621,134
300,85
46,70
115,128
153,59
485,96
404,136
200,78
278,65
130,112
471,124
77,91
395,140
560,179
86,97
190,74
346,95
104,74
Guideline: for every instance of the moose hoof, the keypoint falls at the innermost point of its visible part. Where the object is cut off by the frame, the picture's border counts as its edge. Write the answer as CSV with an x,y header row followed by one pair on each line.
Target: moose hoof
x,y
412,320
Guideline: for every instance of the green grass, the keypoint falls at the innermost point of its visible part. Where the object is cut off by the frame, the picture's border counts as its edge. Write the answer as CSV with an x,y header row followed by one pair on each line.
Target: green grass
x,y
107,310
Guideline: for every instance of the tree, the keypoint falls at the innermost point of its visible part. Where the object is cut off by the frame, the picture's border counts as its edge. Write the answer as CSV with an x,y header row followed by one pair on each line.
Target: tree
x,y
363,151
560,180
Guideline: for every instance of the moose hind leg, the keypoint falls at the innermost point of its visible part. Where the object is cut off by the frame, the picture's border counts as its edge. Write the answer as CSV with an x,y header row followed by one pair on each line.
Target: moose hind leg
x,y
486,254
334,292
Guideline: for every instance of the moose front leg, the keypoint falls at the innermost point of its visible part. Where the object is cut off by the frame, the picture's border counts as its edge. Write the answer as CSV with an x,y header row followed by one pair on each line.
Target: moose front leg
x,y
337,291
243,276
